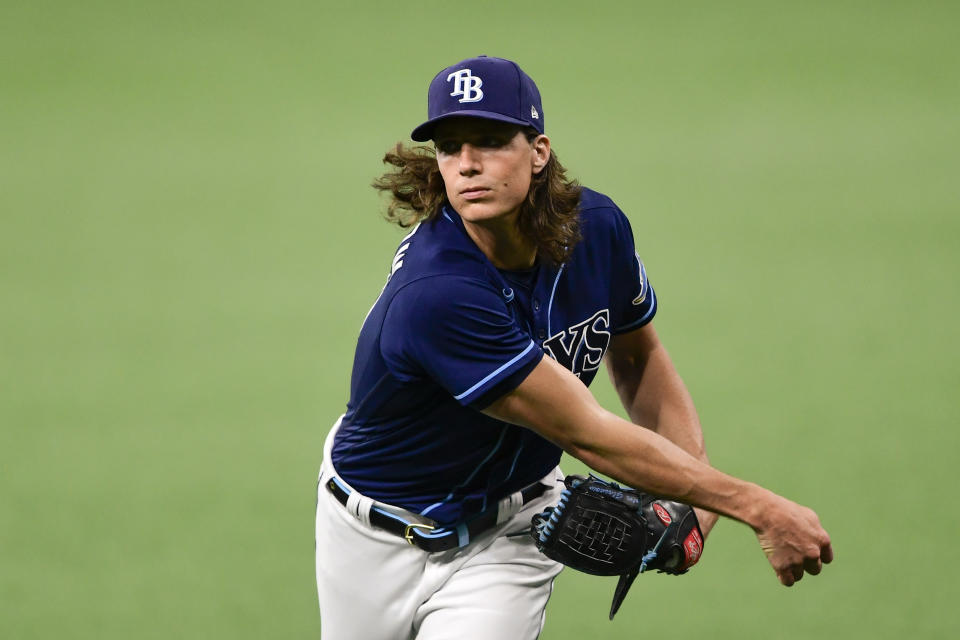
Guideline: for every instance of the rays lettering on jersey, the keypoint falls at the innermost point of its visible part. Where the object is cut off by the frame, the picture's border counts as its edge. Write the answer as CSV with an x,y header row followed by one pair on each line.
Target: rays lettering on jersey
x,y
581,347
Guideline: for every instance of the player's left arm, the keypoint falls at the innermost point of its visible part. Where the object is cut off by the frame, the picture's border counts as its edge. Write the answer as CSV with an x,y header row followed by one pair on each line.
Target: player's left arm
x,y
655,396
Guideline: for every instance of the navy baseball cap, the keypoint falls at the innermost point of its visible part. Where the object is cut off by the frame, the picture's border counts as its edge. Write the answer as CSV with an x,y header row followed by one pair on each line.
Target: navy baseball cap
x,y
482,87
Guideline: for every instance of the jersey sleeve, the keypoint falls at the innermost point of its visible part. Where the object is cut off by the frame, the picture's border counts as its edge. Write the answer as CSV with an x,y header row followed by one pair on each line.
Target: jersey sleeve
x,y
459,333
634,302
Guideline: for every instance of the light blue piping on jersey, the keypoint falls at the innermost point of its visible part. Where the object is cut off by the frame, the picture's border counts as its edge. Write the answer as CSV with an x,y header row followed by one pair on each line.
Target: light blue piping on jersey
x,y
516,457
495,373
496,447
513,466
553,291
503,432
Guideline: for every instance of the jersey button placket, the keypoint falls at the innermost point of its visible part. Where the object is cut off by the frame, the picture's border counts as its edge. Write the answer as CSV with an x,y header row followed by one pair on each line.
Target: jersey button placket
x,y
538,320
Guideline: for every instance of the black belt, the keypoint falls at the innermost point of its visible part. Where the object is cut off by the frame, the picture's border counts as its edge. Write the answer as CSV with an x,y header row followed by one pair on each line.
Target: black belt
x,y
430,537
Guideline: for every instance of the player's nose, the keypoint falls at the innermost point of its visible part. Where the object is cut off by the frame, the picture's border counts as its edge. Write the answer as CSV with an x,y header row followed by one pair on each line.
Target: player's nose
x,y
469,160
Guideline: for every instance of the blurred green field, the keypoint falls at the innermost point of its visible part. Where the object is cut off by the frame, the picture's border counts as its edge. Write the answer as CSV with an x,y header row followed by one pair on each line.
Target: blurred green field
x,y
188,246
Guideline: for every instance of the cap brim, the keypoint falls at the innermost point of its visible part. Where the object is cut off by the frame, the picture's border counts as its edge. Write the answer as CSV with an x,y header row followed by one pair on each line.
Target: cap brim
x,y
424,132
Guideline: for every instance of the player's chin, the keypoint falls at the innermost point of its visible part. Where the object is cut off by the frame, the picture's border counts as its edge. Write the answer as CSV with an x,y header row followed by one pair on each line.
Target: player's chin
x,y
477,211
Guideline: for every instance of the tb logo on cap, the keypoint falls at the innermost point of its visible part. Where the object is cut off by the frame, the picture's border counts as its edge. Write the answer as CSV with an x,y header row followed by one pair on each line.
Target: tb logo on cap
x,y
467,85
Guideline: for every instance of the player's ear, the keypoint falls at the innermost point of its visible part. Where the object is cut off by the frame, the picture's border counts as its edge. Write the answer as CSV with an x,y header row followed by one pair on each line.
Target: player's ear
x,y
541,152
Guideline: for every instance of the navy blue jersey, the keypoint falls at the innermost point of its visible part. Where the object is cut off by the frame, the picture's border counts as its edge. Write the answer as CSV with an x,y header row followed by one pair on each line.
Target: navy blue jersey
x,y
450,333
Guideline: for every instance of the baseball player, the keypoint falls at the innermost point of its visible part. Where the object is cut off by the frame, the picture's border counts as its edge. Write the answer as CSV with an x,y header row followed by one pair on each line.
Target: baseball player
x,y
470,380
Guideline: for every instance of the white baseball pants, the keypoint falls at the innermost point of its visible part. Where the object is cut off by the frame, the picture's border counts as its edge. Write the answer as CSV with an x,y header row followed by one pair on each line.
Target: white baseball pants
x,y
373,585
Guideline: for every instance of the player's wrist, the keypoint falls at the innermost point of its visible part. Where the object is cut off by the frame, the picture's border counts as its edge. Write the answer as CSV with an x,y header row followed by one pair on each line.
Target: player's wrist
x,y
756,505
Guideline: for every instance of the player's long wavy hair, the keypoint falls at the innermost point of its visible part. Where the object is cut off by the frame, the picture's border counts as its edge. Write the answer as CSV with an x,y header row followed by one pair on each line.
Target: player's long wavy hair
x,y
548,217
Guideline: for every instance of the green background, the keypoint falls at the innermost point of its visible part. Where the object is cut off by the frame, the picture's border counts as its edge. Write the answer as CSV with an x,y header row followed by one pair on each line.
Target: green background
x,y
188,245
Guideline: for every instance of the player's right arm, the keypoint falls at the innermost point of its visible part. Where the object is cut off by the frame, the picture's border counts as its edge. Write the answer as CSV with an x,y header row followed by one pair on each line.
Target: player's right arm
x,y
554,403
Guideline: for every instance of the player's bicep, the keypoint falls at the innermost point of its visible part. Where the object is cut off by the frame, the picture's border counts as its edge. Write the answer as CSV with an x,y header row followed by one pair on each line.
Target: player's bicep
x,y
556,404
629,352
645,378
627,358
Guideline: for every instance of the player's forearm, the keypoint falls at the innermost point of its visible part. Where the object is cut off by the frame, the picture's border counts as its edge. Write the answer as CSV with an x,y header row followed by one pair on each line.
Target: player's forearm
x,y
641,458
559,407
555,404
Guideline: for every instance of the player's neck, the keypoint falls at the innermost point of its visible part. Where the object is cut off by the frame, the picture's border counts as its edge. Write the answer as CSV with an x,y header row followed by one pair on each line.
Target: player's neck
x,y
502,243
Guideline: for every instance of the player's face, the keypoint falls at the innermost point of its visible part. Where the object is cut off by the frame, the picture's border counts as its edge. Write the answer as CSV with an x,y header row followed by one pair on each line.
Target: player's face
x,y
487,166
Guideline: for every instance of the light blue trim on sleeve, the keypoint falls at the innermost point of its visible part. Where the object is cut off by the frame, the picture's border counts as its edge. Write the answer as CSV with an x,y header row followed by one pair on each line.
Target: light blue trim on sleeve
x,y
653,306
495,373
643,319
463,536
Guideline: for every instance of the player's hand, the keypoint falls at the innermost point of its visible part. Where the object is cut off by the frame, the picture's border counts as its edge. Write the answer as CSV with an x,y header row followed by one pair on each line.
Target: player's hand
x,y
793,540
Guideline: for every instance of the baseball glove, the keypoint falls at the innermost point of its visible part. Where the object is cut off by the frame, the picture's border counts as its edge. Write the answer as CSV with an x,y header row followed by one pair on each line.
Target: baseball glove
x,y
603,529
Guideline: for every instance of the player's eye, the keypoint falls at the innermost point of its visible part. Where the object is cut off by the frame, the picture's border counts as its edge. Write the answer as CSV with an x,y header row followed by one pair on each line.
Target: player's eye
x,y
492,142
448,147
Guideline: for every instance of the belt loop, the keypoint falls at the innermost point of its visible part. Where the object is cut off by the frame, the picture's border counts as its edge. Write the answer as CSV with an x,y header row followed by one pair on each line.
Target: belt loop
x,y
509,506
359,506
463,535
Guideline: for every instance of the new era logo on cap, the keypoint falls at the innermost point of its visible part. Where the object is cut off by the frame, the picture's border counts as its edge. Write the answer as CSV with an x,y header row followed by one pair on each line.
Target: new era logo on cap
x,y
482,87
